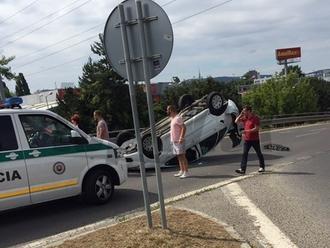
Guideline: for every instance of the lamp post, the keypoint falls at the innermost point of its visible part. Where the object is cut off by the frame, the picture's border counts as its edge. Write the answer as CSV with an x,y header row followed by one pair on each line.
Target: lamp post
x,y
50,93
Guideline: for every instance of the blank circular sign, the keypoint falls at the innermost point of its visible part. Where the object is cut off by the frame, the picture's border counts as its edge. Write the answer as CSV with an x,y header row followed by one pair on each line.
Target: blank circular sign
x,y
158,35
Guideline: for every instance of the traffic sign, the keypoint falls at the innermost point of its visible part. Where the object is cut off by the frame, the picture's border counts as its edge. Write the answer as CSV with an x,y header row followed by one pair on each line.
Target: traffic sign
x,y
159,36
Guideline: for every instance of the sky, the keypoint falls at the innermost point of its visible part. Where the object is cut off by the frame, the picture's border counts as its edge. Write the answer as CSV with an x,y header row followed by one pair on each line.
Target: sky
x,y
51,39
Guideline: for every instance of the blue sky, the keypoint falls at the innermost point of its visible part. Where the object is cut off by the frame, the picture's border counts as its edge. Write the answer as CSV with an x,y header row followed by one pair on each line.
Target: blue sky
x,y
229,40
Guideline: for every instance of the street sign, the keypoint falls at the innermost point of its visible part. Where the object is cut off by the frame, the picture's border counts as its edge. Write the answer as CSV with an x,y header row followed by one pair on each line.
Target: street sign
x,y
159,33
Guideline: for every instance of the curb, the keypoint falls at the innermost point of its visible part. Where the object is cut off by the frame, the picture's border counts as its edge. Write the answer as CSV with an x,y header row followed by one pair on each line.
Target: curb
x,y
72,234
227,227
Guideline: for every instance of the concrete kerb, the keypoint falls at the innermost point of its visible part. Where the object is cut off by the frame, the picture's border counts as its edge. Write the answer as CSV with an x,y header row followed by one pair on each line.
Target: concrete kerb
x,y
75,233
227,227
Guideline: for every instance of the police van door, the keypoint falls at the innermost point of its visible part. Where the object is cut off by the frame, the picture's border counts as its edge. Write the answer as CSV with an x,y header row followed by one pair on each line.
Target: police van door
x,y
54,163
14,188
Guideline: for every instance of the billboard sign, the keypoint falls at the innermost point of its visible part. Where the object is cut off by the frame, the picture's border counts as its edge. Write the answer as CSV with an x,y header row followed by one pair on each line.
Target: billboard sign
x,y
288,53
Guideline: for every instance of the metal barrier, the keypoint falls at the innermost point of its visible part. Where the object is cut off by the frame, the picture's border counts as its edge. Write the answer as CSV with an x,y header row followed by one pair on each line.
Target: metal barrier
x,y
273,121
296,118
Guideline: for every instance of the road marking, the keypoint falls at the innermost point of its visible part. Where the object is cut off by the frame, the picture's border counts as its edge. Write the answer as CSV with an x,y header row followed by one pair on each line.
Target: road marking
x,y
303,158
272,235
306,134
319,129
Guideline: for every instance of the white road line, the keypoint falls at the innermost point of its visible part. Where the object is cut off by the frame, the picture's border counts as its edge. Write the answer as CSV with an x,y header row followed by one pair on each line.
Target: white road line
x,y
271,234
306,134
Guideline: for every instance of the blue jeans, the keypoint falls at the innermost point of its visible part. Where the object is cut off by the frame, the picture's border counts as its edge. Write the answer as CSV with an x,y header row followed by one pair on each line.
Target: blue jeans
x,y
246,148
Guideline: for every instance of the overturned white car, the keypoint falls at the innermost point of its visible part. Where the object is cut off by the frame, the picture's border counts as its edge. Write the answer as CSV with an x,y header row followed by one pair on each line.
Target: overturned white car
x,y
207,121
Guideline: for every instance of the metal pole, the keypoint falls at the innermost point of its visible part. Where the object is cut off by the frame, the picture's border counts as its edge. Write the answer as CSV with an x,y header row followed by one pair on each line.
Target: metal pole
x,y
134,112
2,90
151,111
47,102
285,68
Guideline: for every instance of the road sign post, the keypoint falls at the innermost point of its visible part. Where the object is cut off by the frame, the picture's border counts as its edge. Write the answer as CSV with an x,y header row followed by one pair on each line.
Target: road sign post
x,y
138,42
135,113
143,37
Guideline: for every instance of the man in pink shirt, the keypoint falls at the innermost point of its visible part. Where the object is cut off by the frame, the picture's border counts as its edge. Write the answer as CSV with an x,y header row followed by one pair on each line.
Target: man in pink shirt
x,y
178,131
102,131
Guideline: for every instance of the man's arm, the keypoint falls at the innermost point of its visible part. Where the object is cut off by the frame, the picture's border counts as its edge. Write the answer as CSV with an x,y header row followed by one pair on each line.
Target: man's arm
x,y
183,133
252,130
240,117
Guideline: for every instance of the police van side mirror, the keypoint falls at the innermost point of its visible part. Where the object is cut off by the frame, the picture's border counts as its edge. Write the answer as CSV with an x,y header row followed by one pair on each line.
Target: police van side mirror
x,y
77,139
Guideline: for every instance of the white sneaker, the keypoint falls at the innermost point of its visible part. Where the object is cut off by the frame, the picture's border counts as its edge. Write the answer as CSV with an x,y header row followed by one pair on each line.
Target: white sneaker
x,y
184,175
261,170
178,174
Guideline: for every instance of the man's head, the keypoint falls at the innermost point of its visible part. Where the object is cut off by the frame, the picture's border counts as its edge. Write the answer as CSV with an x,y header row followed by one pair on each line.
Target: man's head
x,y
247,111
171,110
97,115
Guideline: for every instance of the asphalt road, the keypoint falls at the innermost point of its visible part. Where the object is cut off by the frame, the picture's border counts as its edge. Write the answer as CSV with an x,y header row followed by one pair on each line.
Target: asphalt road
x,y
308,146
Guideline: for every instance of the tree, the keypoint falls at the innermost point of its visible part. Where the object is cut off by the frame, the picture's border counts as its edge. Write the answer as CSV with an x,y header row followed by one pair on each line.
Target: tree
x,y
293,69
281,95
5,71
197,88
322,90
251,75
22,87
103,89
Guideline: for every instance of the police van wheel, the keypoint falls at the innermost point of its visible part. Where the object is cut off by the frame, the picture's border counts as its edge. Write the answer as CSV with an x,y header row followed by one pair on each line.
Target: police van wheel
x,y
98,187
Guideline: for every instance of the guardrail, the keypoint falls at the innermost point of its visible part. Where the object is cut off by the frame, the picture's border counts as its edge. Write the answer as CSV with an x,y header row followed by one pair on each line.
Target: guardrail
x,y
269,121
296,118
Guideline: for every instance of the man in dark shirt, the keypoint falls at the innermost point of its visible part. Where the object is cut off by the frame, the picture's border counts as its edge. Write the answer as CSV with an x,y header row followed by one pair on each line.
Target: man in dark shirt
x,y
251,138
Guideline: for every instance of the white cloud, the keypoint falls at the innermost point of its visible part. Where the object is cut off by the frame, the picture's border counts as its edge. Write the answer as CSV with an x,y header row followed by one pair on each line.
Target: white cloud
x,y
228,40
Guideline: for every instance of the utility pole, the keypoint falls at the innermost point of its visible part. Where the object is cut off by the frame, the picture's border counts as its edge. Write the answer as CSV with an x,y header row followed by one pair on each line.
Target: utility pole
x,y
2,90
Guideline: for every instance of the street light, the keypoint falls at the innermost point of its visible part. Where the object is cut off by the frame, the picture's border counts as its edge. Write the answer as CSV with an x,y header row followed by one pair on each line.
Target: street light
x,y
50,93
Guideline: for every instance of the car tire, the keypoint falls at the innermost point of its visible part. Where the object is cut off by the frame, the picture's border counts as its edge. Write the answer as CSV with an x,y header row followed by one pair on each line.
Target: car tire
x,y
124,136
185,101
216,103
147,147
98,187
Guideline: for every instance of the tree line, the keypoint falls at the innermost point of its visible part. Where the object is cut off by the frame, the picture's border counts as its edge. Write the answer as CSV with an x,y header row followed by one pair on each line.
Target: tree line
x,y
100,87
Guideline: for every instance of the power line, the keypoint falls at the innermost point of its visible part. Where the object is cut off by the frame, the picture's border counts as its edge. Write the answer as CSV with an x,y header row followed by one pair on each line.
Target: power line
x,y
201,12
19,11
36,29
56,52
56,43
56,66
181,20
41,19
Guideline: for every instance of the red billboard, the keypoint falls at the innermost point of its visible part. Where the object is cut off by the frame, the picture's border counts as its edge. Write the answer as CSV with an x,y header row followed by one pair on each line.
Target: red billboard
x,y
288,53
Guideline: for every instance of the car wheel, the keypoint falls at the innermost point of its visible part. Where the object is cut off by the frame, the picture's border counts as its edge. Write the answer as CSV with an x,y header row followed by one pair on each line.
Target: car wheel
x,y
185,101
98,187
216,104
147,147
124,136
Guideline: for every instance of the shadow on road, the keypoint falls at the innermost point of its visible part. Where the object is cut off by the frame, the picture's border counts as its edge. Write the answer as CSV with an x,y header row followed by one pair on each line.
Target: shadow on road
x,y
234,159
50,218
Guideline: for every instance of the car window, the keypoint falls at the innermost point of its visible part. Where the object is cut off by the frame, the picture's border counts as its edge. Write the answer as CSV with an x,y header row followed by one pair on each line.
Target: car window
x,y
44,131
8,139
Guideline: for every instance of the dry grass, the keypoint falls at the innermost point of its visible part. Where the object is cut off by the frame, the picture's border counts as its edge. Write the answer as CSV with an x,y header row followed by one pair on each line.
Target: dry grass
x,y
185,229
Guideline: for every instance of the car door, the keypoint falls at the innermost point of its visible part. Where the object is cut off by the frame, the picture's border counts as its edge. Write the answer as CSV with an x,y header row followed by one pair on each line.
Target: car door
x,y
14,188
55,164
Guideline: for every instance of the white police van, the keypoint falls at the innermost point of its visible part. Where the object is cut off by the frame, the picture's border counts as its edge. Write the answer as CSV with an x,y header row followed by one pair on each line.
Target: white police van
x,y
44,157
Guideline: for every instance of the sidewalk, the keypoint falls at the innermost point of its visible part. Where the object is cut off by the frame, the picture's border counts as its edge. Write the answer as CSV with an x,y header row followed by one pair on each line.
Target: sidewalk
x,y
189,225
